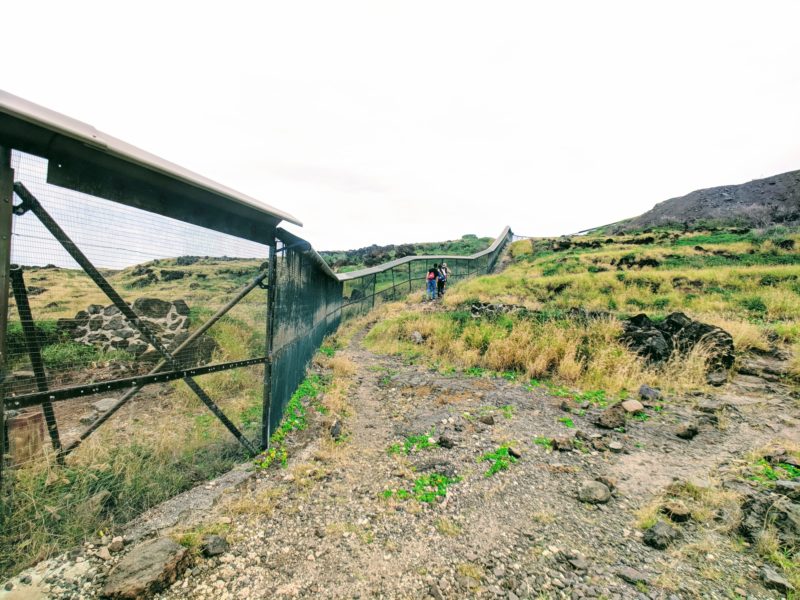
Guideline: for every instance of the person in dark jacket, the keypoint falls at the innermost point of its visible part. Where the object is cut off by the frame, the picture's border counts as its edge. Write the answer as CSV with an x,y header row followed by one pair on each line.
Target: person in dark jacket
x,y
444,272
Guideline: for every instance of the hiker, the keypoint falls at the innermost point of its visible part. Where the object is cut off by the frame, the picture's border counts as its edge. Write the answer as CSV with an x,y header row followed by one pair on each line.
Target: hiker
x,y
444,272
432,279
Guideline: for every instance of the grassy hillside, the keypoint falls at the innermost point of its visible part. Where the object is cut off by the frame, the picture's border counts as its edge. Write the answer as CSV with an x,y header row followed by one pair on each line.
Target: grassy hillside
x,y
352,260
746,283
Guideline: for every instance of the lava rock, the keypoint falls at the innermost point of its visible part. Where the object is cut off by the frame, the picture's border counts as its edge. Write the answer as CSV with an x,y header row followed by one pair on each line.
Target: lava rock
x,y
774,581
686,431
336,429
611,418
649,394
632,576
486,419
446,442
214,545
661,535
147,569
676,511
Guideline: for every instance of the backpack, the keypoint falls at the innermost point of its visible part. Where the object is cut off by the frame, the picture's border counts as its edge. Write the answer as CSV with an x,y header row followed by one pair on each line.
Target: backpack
x,y
431,276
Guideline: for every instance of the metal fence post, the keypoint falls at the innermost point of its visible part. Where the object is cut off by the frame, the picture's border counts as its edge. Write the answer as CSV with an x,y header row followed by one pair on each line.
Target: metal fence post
x,y
6,213
270,325
409,277
374,287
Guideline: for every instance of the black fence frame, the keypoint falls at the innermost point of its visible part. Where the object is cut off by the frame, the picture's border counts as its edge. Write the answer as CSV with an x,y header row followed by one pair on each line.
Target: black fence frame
x,y
305,298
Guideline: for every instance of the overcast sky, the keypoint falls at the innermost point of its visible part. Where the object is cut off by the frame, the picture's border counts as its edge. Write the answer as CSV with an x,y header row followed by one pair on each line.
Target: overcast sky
x,y
389,122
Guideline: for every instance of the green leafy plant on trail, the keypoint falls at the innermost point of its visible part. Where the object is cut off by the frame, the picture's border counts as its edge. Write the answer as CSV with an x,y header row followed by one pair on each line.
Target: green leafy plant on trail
x,y
567,422
501,459
412,443
426,488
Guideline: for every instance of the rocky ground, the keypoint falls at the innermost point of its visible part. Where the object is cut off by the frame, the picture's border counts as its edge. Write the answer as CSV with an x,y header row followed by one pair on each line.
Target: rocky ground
x,y
402,507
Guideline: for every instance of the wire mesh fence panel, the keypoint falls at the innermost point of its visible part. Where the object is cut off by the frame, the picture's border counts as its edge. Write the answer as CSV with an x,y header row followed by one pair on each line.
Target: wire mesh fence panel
x,y
307,308
135,351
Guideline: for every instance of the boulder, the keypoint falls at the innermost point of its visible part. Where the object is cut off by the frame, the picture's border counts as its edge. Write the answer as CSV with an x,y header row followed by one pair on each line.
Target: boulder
x,y
594,492
147,569
661,535
611,418
633,407
678,333
151,307
181,307
774,581
486,419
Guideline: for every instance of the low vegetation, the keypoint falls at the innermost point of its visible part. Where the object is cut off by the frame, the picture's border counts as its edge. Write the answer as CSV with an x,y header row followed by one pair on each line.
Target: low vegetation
x,y
746,283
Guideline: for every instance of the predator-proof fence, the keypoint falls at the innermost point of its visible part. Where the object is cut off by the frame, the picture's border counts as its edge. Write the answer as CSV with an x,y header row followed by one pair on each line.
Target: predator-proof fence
x,y
390,281
153,326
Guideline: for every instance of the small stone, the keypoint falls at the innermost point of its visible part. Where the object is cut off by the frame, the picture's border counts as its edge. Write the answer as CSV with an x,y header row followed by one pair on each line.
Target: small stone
x,y
104,405
514,451
594,492
104,554
117,544
616,446
445,442
632,576
336,429
676,511
562,443
214,545
25,580
9,586
579,564
486,419
686,431
649,394
660,535
788,488
774,581
417,337
633,407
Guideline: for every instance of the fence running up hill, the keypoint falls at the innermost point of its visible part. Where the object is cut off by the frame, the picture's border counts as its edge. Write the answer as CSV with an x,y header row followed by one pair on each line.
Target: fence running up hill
x,y
128,274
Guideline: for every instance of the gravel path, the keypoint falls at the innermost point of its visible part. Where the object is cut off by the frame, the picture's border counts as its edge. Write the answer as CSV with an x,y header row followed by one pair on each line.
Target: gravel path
x,y
521,533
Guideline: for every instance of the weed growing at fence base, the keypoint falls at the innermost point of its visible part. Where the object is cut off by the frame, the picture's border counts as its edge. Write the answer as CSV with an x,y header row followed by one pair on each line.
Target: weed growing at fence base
x,y
294,419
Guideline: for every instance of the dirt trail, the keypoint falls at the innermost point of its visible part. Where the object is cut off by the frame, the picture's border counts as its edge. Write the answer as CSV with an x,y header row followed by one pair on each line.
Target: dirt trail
x,y
325,528
521,533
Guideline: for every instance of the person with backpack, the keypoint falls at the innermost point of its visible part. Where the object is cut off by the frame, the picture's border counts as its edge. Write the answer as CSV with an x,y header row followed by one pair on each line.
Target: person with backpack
x,y
432,282
444,272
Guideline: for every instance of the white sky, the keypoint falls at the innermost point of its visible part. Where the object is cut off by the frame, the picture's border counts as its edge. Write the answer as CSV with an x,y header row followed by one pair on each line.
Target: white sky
x,y
389,122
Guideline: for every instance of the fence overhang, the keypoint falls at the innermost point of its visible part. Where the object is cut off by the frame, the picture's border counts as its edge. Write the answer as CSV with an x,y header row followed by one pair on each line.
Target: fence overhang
x,y
83,159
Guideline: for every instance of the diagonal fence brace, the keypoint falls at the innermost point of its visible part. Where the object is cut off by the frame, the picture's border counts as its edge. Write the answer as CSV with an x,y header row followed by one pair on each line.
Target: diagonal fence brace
x,y
30,202
34,352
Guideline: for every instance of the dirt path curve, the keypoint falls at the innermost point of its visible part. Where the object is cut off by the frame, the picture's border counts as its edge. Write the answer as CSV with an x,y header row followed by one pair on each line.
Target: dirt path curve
x,y
324,527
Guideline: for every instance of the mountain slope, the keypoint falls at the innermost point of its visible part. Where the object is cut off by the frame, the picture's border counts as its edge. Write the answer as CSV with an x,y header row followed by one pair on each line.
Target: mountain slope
x,y
758,203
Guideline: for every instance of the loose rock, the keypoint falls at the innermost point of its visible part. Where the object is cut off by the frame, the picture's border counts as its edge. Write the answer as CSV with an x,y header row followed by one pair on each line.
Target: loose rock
x,y
594,492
